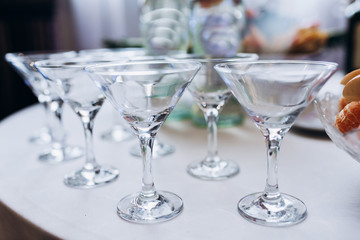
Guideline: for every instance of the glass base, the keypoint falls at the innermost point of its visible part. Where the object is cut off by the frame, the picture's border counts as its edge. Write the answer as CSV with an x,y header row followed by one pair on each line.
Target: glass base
x,y
41,137
164,207
286,210
89,179
117,134
218,170
159,150
59,155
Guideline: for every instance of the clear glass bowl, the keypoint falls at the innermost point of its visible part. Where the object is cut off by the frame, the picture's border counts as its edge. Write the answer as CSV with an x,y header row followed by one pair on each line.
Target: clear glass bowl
x,y
327,106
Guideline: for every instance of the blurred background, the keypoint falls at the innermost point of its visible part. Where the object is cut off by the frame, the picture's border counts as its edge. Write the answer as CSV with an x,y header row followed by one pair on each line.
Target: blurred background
x,y
56,25
315,29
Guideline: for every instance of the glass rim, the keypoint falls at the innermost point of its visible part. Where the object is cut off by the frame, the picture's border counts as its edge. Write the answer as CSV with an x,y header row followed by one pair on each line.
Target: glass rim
x,y
75,62
225,67
111,50
34,54
207,58
95,69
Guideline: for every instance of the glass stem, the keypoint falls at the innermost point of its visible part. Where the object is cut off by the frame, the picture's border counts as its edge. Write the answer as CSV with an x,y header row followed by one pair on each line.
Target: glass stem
x,y
48,115
88,124
55,123
211,116
273,140
148,188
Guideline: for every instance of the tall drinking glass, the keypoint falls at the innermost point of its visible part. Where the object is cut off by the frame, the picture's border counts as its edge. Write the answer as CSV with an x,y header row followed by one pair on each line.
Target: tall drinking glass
x,y
76,88
145,93
274,93
58,150
211,94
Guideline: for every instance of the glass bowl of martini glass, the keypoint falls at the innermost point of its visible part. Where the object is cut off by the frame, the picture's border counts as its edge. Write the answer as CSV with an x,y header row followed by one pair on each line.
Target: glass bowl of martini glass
x,y
75,87
118,132
274,93
54,134
211,94
145,93
160,148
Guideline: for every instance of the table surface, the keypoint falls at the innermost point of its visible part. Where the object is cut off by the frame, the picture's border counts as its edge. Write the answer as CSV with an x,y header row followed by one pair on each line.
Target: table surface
x,y
311,168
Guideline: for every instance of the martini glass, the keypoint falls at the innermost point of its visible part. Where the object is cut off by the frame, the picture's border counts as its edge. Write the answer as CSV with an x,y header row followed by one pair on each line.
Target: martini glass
x,y
211,94
274,93
53,134
117,132
145,93
76,88
160,149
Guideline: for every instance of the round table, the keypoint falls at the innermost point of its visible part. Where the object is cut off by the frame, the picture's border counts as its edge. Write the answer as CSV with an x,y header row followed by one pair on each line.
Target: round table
x,y
311,168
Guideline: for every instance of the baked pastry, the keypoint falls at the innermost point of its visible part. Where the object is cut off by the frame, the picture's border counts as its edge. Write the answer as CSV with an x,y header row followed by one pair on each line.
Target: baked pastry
x,y
348,117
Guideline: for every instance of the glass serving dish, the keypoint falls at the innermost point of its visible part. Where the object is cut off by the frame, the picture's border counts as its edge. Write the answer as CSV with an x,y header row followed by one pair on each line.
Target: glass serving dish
x,y
327,106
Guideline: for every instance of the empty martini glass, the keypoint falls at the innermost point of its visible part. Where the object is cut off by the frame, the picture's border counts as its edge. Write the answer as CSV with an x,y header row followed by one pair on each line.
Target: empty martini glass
x,y
54,133
145,93
274,93
211,94
76,88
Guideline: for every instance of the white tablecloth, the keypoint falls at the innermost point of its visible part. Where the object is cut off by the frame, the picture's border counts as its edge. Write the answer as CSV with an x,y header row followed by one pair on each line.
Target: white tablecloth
x,y
312,169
